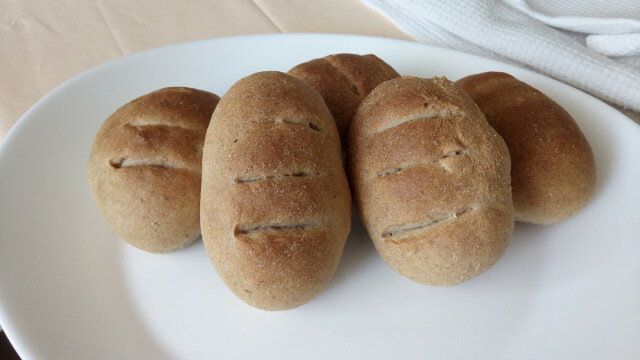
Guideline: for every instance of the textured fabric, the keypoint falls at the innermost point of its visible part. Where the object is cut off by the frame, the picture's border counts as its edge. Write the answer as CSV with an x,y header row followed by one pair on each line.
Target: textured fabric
x,y
573,41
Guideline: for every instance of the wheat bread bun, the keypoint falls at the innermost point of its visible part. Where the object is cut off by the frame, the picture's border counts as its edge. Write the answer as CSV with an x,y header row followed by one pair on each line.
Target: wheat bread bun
x,y
430,180
275,199
553,170
344,80
144,168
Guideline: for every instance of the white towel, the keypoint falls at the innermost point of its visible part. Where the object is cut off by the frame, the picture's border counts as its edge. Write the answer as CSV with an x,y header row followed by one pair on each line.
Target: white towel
x,y
593,45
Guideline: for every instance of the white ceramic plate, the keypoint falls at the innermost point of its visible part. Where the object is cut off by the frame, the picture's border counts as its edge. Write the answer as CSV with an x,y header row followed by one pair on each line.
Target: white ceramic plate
x,y
70,289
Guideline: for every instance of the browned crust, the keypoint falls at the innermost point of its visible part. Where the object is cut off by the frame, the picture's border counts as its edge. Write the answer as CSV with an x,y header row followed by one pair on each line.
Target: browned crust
x,y
553,170
430,179
275,199
144,168
344,80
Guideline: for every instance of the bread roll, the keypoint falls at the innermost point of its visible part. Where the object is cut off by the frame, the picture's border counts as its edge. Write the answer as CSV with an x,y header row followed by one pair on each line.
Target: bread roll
x,y
553,171
344,80
275,199
144,168
430,180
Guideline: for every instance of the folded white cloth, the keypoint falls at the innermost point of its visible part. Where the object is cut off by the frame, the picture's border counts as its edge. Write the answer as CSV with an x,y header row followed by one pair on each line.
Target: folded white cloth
x,y
610,28
593,45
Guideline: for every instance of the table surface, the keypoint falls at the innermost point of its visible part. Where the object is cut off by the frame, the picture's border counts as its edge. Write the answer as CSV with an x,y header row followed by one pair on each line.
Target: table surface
x,y
44,43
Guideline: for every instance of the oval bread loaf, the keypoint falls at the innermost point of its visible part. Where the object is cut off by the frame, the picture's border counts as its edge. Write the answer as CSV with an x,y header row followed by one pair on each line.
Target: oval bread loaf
x,y
144,168
430,180
275,199
344,80
553,171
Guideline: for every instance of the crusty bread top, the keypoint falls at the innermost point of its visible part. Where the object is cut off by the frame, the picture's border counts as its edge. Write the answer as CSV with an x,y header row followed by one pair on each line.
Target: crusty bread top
x,y
420,151
275,200
553,168
164,129
281,131
145,164
344,80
